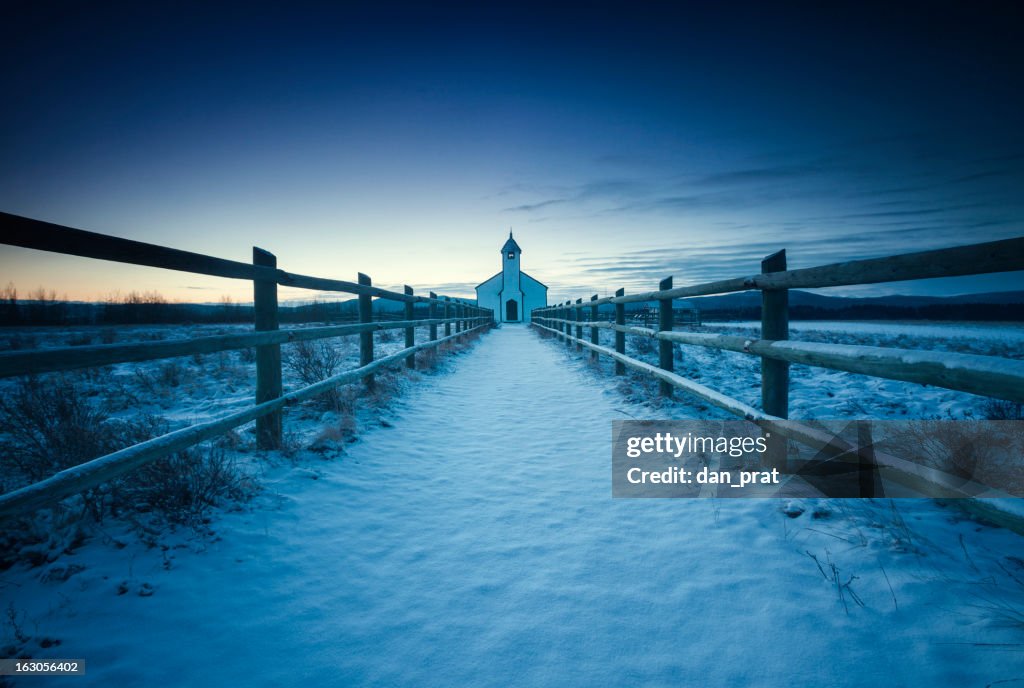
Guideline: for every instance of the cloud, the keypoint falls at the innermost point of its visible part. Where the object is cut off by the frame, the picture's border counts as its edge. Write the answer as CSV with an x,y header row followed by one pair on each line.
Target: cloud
x,y
531,207
640,270
596,190
454,288
758,175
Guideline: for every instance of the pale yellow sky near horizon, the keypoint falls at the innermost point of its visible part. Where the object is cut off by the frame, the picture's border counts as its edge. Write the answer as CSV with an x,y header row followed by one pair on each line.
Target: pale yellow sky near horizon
x,y
86,279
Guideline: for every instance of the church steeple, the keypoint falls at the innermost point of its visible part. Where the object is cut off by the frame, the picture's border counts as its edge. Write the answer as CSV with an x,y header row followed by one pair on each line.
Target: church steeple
x,y
511,249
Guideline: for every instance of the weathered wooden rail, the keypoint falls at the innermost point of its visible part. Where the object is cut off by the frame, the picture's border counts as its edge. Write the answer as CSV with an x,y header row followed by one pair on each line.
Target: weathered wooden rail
x,y
267,339
991,376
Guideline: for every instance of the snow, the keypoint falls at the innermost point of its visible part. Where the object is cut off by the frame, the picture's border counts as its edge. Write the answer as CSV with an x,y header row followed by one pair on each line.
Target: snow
x,y
473,540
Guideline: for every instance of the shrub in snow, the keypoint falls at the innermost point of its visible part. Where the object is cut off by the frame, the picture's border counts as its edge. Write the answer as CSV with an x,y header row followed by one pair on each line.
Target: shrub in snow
x,y
998,409
978,450
313,361
170,374
183,487
643,345
53,425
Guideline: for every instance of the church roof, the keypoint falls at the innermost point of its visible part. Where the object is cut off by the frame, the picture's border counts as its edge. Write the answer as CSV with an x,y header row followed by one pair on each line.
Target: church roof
x,y
488,280
521,275
511,245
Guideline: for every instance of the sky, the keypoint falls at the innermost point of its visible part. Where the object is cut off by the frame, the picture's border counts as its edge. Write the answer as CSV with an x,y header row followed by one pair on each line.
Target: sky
x,y
621,145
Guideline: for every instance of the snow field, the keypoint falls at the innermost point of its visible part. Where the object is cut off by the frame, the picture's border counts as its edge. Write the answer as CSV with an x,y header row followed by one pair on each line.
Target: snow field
x,y
473,541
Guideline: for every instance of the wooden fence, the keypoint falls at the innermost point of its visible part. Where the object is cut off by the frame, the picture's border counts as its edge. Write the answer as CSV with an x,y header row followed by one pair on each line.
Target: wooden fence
x,y
452,314
991,376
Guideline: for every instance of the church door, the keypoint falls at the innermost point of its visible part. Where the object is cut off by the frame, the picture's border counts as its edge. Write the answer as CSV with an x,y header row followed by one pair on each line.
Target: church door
x,y
511,310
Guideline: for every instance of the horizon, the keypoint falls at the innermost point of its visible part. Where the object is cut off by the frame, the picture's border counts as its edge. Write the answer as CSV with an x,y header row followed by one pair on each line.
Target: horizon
x,y
322,298
620,144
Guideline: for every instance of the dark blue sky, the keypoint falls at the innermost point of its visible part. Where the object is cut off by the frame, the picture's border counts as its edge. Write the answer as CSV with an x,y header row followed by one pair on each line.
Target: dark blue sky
x,y
622,145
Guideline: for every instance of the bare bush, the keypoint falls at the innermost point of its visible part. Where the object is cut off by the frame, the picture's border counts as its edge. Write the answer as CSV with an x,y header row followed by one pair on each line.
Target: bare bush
x,y
183,487
53,426
644,345
171,374
999,409
313,361
986,451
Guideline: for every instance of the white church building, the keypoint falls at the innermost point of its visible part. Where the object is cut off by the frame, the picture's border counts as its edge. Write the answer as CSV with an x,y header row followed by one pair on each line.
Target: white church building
x,y
511,293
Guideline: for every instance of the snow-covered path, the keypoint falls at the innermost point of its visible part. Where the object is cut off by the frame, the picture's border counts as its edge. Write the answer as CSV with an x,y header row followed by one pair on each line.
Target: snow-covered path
x,y
475,543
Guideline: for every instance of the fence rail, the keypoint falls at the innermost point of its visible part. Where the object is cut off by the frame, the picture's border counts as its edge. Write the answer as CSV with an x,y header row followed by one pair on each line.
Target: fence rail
x,y
992,376
267,339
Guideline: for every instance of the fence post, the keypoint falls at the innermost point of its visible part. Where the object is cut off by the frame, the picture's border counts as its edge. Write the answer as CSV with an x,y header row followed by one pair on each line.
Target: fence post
x,y
593,330
579,324
775,325
268,357
568,325
410,332
447,311
620,337
366,338
432,314
775,374
458,320
665,324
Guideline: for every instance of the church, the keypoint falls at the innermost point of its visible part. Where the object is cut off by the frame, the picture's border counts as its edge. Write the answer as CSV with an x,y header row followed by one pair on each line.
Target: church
x,y
511,293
